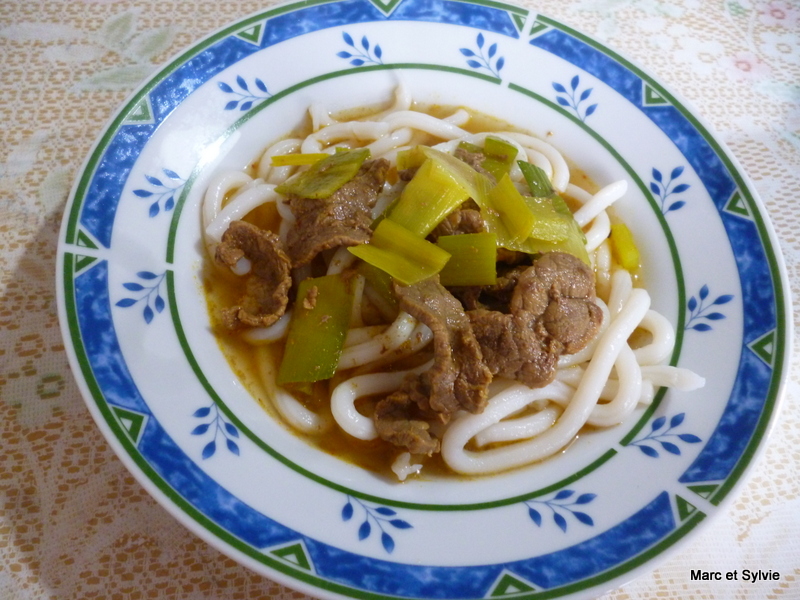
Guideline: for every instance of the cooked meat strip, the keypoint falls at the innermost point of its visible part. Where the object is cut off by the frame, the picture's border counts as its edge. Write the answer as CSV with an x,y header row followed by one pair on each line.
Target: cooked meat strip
x,y
342,219
458,379
552,312
268,282
463,220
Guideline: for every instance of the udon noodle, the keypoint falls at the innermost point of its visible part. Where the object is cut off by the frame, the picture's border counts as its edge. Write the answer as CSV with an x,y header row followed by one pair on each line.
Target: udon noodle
x,y
597,386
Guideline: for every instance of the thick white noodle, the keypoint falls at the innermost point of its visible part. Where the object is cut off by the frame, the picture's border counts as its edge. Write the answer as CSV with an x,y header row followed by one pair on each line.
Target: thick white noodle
x,y
396,334
277,175
520,428
291,411
359,130
621,288
569,423
297,415
346,393
602,269
629,391
600,202
663,342
678,378
385,145
340,260
560,169
267,335
600,225
403,467
359,335
424,122
238,207
221,186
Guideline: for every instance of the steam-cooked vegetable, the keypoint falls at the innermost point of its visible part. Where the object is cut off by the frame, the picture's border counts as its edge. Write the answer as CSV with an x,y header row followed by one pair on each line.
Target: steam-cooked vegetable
x,y
402,253
321,313
325,176
473,258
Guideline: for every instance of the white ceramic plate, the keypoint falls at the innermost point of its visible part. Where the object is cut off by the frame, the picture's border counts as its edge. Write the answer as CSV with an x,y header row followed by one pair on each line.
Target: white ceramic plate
x,y
136,323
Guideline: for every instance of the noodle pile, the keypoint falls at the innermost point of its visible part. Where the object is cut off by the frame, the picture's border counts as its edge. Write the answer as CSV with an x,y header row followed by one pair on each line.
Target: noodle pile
x,y
598,386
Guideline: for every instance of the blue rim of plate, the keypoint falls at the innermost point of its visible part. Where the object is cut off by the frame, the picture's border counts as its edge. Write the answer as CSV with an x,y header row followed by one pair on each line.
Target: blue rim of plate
x,y
96,357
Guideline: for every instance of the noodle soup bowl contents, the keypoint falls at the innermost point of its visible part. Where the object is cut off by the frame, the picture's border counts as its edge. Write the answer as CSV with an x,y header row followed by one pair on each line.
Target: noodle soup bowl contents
x,y
382,311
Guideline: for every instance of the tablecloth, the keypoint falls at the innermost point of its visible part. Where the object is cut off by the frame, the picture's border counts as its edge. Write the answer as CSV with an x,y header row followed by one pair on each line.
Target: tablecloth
x,y
75,524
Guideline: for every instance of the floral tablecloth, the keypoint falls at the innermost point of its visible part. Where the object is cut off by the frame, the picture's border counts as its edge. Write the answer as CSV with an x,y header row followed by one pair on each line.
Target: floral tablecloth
x,y
75,524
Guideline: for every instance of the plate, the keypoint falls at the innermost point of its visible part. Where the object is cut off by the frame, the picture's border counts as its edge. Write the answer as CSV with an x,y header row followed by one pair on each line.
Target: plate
x,y
137,327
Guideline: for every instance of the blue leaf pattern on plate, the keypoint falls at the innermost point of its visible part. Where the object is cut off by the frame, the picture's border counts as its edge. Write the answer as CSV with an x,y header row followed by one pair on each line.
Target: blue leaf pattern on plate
x,y
665,190
217,427
666,438
365,55
381,517
560,507
568,97
242,96
148,291
481,60
700,309
162,193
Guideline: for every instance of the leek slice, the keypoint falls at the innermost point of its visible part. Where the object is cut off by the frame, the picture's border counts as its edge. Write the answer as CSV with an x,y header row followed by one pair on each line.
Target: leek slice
x,y
473,259
537,180
511,209
624,247
319,323
410,158
401,253
429,197
500,155
325,176
292,160
574,243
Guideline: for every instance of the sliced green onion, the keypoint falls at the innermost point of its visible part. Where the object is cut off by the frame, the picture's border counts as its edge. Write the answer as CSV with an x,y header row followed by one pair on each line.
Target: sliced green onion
x,y
429,197
473,259
381,283
511,209
292,160
537,180
500,156
410,158
325,176
322,314
401,253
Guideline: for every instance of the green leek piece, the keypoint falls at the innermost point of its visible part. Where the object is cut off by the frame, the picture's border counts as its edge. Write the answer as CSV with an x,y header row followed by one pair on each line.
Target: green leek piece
x,y
624,247
537,180
381,282
410,158
574,243
470,147
429,197
292,160
326,176
403,254
476,184
511,208
473,259
319,323
500,155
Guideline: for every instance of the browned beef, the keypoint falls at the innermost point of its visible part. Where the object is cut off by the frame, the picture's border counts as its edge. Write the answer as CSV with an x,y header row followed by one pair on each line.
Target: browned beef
x,y
342,219
457,380
463,220
515,346
552,312
474,160
269,279
399,420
